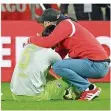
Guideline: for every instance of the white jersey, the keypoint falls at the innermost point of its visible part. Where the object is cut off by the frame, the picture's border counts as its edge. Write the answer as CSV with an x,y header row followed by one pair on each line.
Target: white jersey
x,y
29,76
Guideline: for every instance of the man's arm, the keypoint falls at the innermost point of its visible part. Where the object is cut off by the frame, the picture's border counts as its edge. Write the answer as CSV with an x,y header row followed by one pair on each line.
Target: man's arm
x,y
62,31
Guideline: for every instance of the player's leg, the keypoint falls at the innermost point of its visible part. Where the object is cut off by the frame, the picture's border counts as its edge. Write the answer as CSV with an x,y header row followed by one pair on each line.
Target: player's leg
x,y
53,90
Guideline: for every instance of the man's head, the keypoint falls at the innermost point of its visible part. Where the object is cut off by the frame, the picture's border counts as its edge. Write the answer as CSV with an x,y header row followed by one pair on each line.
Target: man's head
x,y
49,17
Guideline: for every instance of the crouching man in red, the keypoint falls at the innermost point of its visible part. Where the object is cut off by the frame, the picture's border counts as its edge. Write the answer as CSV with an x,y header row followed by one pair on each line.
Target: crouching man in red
x,y
87,58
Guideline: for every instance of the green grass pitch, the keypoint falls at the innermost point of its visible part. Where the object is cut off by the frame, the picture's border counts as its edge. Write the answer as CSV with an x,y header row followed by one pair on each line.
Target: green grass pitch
x,y
100,103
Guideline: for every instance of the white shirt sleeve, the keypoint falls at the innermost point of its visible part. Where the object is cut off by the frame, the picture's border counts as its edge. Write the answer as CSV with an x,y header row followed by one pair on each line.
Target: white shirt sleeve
x,y
54,56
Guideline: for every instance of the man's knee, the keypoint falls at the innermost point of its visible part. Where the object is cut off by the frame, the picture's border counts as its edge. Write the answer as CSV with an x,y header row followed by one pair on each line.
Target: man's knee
x,y
57,65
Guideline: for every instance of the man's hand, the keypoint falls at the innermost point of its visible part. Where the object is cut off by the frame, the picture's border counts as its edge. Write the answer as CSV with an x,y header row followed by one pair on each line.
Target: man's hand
x,y
38,34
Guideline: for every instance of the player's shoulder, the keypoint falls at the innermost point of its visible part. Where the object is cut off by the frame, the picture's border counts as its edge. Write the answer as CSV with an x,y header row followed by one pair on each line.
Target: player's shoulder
x,y
52,52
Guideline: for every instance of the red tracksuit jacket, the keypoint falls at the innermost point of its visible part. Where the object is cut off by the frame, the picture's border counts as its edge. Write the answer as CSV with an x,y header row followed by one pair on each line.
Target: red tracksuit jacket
x,y
82,44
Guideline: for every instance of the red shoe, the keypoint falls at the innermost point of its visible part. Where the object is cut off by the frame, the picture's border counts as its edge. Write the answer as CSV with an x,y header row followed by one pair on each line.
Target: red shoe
x,y
90,94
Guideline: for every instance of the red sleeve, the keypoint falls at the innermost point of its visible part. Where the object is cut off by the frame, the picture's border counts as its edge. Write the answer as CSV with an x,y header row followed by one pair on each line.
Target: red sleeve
x,y
62,31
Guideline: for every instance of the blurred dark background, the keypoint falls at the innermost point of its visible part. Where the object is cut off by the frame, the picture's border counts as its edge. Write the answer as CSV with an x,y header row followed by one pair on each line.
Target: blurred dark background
x,y
77,11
